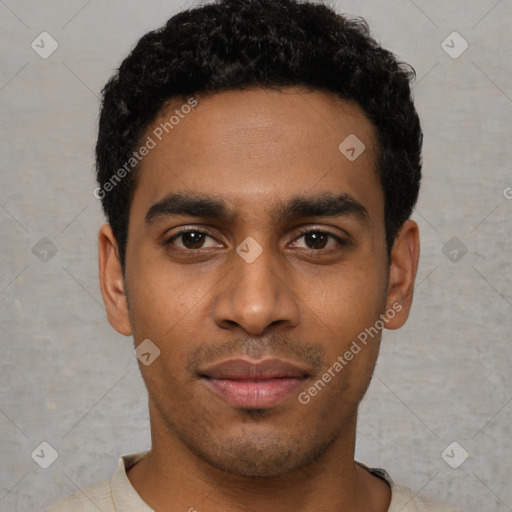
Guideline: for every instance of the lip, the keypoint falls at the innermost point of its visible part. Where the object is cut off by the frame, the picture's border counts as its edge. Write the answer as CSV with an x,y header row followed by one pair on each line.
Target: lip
x,y
254,384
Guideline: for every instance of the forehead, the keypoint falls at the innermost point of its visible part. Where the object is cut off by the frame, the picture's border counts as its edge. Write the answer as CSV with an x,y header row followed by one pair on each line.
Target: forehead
x,y
255,146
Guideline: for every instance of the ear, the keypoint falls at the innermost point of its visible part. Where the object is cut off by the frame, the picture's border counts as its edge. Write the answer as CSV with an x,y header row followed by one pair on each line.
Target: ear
x,y
402,274
112,281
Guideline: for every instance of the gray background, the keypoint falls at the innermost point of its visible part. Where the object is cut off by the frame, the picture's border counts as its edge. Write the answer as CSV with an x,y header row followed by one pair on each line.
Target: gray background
x,y
68,379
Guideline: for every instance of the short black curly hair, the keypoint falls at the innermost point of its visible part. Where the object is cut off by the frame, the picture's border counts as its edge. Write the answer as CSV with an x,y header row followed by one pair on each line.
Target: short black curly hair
x,y
239,44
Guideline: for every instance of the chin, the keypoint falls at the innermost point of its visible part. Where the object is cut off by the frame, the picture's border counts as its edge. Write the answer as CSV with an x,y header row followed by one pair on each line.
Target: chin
x,y
262,456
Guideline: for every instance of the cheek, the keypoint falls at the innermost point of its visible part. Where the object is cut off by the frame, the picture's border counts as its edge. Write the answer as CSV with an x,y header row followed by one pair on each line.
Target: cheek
x,y
346,298
341,385
163,297
170,309
345,312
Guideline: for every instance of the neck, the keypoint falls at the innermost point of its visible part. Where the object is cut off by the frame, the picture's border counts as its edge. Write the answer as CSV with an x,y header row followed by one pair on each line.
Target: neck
x,y
172,478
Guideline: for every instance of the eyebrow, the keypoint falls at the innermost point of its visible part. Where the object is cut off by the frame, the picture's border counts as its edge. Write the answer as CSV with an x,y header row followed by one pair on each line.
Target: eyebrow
x,y
208,207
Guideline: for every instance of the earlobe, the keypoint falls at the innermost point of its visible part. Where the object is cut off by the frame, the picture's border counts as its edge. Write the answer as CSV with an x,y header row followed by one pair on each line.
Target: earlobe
x,y
402,274
112,281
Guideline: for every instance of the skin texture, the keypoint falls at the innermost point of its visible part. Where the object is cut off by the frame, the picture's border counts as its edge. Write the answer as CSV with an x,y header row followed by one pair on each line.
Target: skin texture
x,y
297,301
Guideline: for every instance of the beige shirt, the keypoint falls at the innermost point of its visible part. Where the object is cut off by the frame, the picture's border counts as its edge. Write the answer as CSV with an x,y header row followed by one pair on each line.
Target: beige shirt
x,y
117,494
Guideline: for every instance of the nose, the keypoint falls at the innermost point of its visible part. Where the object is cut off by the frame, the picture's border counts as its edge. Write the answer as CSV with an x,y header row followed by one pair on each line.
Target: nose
x,y
256,294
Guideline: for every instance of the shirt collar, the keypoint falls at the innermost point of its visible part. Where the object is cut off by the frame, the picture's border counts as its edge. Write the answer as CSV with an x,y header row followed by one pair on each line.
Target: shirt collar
x,y
126,498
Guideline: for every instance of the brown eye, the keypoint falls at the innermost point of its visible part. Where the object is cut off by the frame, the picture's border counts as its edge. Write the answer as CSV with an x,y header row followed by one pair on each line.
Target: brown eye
x,y
191,239
317,240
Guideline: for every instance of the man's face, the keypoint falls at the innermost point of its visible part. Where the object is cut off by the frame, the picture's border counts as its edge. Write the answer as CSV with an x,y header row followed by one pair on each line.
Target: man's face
x,y
303,300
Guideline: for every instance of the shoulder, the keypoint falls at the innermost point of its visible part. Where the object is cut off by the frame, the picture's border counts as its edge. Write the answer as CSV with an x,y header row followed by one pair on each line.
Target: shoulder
x,y
103,496
90,499
406,500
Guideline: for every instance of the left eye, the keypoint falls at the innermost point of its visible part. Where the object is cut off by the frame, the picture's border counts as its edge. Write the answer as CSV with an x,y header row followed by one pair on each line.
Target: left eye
x,y
319,239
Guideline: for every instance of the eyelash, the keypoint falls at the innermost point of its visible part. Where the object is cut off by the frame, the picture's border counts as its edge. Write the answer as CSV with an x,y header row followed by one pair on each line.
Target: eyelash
x,y
169,241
